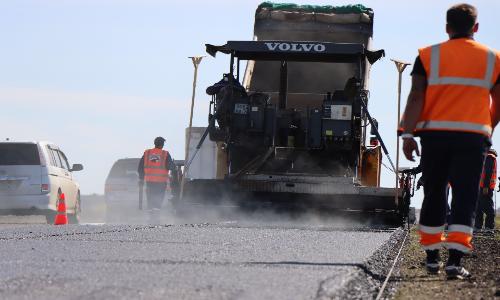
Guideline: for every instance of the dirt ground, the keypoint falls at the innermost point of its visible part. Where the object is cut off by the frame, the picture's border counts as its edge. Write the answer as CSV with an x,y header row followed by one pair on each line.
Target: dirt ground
x,y
484,265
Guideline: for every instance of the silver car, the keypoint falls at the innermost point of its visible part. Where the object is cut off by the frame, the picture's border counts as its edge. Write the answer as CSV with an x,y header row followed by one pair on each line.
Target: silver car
x,y
121,189
33,175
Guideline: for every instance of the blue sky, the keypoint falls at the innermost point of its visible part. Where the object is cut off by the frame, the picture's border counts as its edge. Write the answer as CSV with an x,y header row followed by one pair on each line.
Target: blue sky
x,y
102,78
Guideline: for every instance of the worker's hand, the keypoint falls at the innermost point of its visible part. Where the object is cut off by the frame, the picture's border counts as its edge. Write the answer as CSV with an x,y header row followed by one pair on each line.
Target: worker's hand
x,y
420,182
410,145
486,191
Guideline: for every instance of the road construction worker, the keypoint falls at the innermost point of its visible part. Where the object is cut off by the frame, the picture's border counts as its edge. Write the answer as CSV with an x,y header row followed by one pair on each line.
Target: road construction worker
x,y
487,186
449,109
154,169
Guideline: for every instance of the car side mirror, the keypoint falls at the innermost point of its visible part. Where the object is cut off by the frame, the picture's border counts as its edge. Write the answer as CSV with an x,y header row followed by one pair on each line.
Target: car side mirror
x,y
76,167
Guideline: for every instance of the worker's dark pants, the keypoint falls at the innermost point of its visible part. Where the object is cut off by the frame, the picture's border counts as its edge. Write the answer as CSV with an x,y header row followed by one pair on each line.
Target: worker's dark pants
x,y
456,158
485,206
155,192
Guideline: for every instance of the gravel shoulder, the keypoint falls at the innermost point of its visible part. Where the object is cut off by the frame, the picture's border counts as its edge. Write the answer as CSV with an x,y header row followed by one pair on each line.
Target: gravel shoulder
x,y
484,264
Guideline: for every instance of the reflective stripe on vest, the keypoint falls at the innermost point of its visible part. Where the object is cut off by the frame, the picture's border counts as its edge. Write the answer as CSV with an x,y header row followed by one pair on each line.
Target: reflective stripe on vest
x,y
434,78
462,126
155,169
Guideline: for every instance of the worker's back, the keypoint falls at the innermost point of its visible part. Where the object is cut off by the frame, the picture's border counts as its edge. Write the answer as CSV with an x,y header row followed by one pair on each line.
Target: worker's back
x,y
460,74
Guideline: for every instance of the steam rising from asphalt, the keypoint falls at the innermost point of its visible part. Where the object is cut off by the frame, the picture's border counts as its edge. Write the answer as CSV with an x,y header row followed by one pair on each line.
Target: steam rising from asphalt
x,y
226,213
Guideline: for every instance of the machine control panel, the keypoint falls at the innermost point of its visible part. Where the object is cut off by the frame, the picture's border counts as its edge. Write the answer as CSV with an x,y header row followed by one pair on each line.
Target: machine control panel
x,y
341,112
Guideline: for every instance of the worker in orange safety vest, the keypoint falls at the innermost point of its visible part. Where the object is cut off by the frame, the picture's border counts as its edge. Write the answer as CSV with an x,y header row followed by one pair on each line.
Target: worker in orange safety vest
x,y
154,169
453,106
487,186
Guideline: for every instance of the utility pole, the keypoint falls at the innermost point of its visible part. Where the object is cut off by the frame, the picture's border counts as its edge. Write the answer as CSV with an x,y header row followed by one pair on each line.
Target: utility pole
x,y
401,66
196,62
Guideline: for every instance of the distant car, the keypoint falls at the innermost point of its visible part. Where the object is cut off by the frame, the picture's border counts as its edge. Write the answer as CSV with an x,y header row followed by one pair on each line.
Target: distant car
x,y
32,177
121,188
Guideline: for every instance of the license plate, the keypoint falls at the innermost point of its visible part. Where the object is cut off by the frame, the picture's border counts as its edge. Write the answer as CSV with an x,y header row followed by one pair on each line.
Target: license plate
x,y
8,185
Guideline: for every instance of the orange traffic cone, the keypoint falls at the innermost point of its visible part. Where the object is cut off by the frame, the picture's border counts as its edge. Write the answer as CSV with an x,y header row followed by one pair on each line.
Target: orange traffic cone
x,y
61,217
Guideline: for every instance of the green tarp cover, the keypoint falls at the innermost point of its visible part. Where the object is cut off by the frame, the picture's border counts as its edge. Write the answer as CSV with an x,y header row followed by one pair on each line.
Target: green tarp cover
x,y
345,9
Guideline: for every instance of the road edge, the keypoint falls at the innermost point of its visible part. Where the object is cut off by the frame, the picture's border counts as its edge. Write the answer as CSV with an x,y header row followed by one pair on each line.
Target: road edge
x,y
365,282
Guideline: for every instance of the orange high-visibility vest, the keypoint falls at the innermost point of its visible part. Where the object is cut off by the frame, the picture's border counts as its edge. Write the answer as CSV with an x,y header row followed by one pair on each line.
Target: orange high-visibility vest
x,y
492,182
460,75
155,168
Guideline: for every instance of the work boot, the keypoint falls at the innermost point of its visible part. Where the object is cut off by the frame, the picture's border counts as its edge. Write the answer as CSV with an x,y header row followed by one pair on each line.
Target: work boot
x,y
456,272
453,268
489,231
433,262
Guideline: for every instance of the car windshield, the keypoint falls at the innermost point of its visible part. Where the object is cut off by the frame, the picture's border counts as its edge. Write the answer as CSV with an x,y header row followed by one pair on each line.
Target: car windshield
x,y
12,154
125,168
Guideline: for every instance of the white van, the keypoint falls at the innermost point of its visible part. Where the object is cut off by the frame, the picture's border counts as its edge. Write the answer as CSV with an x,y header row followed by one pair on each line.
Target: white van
x,y
32,176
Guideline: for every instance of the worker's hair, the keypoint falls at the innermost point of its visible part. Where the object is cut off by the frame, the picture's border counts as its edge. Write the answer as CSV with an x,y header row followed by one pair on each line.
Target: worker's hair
x,y
159,142
461,18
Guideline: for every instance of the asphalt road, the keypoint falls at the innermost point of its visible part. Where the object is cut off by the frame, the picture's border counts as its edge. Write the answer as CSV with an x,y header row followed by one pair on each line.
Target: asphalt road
x,y
229,260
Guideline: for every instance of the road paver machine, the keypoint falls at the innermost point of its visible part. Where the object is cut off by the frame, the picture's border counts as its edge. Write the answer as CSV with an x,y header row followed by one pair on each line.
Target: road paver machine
x,y
295,130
